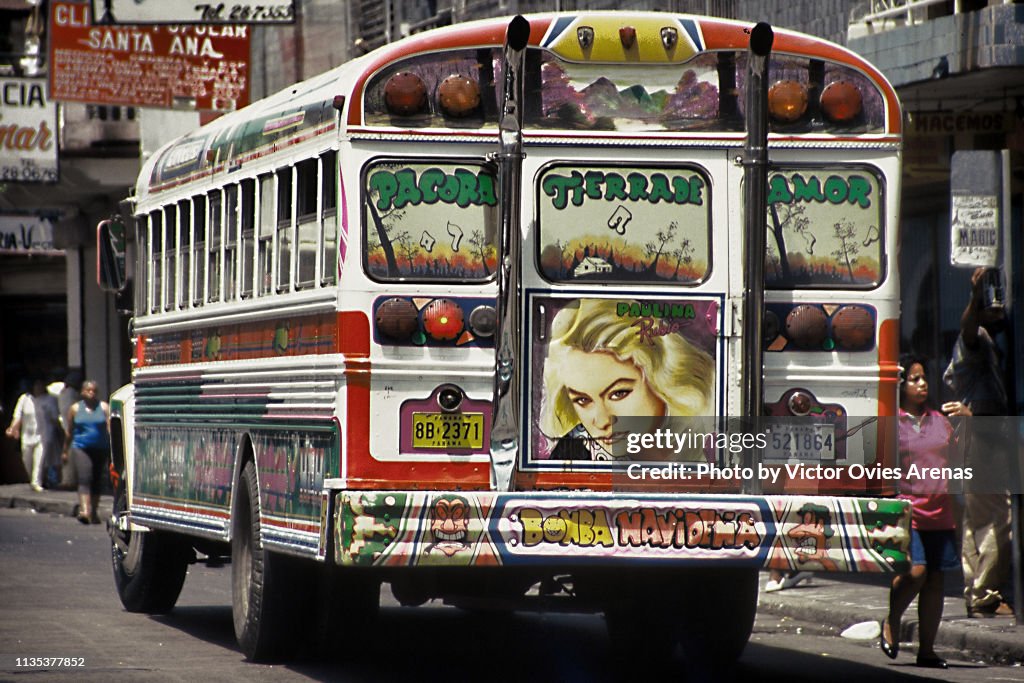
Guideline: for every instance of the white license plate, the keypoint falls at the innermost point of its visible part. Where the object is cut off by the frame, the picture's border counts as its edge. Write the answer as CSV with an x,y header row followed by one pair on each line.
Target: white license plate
x,y
801,442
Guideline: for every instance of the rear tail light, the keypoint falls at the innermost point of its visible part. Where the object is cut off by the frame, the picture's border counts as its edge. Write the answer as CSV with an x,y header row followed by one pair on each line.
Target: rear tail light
x,y
853,328
807,327
483,321
443,319
397,319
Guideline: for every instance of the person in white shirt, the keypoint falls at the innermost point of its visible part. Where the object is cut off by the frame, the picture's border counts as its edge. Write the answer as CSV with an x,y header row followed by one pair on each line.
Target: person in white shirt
x,y
31,423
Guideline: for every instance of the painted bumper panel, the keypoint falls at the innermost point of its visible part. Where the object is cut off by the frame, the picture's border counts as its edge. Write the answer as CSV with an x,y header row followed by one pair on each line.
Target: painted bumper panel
x,y
817,533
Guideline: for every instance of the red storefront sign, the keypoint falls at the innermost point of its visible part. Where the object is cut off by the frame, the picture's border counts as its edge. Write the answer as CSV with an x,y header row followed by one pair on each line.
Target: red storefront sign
x,y
181,67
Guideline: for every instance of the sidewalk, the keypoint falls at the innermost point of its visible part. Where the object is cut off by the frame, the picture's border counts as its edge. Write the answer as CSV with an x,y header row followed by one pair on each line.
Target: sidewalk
x,y
836,601
842,600
47,500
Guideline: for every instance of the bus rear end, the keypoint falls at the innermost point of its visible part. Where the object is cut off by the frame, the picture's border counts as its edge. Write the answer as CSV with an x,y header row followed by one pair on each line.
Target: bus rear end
x,y
543,344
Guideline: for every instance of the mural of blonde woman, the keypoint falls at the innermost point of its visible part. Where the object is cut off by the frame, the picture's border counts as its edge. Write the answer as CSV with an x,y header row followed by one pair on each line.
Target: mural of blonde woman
x,y
604,365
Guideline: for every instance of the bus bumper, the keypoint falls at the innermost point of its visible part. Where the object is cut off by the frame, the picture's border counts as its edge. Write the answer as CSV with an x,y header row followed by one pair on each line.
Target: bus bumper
x,y
568,529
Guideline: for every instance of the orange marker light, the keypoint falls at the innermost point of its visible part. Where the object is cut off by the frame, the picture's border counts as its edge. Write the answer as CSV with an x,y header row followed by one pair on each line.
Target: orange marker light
x,y
787,101
841,102
405,94
459,96
627,34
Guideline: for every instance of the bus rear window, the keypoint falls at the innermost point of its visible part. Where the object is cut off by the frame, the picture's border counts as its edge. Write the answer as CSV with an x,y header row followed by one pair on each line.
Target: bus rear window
x,y
430,221
824,228
624,224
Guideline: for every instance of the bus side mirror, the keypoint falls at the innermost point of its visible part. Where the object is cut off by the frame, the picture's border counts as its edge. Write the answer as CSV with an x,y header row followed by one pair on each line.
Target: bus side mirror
x,y
110,252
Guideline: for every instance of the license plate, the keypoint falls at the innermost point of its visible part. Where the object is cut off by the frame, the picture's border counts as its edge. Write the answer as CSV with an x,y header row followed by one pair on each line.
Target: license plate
x,y
448,430
801,442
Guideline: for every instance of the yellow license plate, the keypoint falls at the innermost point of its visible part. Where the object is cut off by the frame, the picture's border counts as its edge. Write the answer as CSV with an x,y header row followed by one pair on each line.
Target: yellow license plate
x,y
448,430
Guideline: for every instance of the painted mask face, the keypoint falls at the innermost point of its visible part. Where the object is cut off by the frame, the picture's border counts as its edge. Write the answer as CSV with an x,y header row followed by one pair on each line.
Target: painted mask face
x,y
449,525
811,539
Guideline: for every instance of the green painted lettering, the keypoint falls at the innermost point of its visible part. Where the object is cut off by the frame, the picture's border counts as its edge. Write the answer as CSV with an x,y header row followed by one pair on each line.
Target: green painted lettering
x,y
659,189
682,190
614,187
558,186
778,190
467,188
487,195
592,184
860,189
836,189
449,192
408,192
696,187
637,186
430,180
807,190
385,185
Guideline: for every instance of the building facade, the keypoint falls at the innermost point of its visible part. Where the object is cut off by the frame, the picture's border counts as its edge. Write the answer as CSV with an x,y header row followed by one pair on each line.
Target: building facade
x,y
958,65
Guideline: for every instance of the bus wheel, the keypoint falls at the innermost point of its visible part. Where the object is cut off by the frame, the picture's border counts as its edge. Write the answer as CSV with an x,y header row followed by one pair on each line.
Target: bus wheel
x,y
149,566
265,603
720,616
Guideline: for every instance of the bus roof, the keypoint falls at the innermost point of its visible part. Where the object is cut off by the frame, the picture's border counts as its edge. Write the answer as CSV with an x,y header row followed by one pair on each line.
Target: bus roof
x,y
309,109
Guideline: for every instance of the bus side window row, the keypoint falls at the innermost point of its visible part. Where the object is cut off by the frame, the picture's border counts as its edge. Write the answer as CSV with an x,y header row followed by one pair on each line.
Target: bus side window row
x,y
273,234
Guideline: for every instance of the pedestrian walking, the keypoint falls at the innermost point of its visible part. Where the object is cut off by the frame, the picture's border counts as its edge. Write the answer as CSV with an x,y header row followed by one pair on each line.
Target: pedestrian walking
x,y
925,435
34,422
68,396
975,377
88,443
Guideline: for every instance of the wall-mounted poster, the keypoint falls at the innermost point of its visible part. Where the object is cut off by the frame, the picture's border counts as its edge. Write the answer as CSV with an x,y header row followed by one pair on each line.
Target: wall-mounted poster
x,y
28,132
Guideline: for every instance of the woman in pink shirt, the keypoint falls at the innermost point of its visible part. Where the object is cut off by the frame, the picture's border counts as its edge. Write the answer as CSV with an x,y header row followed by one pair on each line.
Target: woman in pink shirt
x,y
925,436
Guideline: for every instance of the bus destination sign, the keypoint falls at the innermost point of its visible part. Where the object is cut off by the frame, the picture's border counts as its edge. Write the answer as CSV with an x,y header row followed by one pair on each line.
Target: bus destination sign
x,y
193,12
165,66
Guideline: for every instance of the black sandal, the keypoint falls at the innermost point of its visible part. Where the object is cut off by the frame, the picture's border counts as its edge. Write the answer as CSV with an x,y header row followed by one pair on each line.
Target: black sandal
x,y
890,649
932,662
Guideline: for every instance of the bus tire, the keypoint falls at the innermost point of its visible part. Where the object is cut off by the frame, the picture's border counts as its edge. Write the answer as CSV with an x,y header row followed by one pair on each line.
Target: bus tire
x,y
149,567
720,616
263,610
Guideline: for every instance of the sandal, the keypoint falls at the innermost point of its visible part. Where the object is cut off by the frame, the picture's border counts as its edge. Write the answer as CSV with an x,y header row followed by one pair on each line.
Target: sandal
x,y
890,649
932,662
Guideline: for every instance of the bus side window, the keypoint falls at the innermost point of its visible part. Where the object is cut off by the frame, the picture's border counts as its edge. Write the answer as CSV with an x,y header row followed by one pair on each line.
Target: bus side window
x,y
184,252
248,202
214,273
308,228
142,258
156,226
199,248
265,270
171,256
230,242
285,228
329,192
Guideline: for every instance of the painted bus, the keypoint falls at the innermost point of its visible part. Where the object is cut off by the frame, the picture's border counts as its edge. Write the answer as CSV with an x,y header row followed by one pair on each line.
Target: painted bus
x,y
485,315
